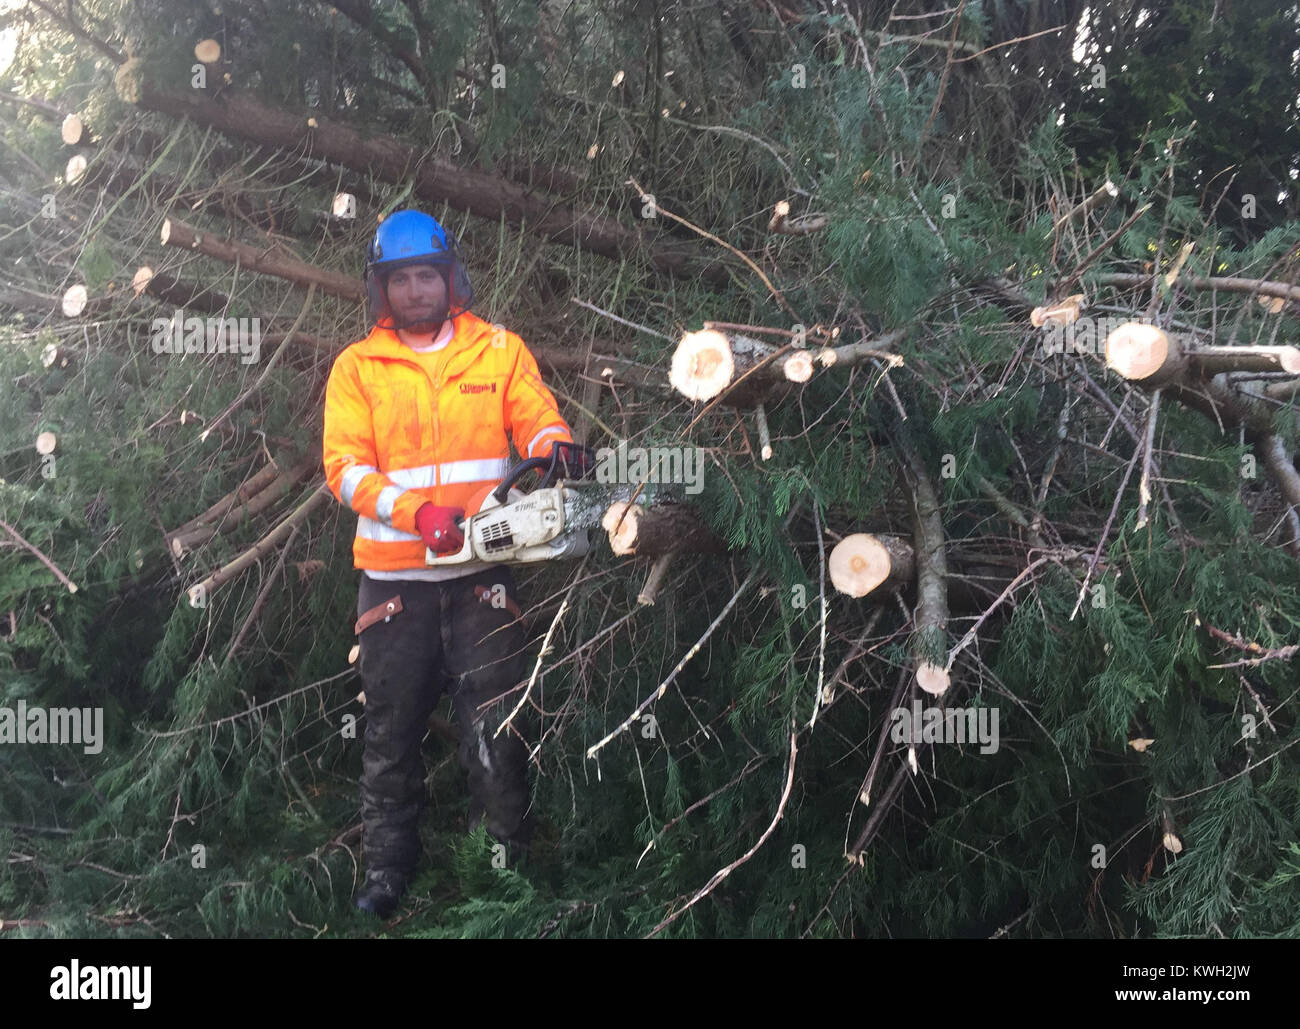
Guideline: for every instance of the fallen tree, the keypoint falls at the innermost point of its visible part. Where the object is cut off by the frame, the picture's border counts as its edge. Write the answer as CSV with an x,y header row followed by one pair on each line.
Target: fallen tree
x,y
436,180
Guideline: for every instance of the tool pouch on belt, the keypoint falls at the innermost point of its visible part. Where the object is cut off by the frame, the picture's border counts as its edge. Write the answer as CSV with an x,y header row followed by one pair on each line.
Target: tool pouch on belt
x,y
379,613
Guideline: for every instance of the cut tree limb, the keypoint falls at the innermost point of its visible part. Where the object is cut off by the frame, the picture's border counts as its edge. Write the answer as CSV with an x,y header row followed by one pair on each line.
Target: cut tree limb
x,y
764,434
180,542
802,225
1106,189
1064,312
654,581
1229,284
662,528
1179,373
73,131
171,290
200,591
862,563
58,574
176,233
240,495
55,356
709,363
931,613
1151,357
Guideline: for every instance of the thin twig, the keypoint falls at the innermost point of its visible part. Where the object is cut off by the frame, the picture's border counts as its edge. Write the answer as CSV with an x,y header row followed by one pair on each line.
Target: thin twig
x,y
302,313
72,586
621,321
663,686
546,646
1148,445
722,873
722,243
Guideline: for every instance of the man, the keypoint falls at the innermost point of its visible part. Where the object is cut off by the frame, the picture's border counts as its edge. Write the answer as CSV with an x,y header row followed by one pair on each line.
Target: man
x,y
416,416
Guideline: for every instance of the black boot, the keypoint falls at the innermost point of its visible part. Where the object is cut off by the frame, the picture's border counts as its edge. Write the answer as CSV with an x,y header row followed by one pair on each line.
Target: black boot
x,y
380,892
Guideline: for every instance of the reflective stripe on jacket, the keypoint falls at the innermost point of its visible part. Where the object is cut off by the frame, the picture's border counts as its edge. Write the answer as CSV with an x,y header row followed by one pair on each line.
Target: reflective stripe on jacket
x,y
397,436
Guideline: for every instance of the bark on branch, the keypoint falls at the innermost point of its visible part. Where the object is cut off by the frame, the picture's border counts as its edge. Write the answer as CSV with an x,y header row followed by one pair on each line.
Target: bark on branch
x,y
1152,360
663,527
176,233
931,613
259,493
436,180
200,591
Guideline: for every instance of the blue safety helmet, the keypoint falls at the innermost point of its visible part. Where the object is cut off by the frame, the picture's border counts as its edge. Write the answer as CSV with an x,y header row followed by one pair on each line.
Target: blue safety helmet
x,y
413,237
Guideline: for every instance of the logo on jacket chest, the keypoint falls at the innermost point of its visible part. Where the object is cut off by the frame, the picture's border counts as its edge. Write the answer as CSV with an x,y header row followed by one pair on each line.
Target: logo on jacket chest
x,y
478,387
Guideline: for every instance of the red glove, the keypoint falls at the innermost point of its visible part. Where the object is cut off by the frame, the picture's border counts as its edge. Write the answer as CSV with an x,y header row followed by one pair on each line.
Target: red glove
x,y
437,526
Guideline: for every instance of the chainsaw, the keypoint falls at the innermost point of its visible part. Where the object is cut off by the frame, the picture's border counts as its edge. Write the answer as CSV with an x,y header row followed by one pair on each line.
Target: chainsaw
x,y
512,527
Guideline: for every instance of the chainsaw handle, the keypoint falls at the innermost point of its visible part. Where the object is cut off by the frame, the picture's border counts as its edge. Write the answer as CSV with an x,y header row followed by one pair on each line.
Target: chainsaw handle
x,y
522,469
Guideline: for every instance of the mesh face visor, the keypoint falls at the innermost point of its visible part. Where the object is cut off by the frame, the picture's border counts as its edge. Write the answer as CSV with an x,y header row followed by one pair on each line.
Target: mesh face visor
x,y
458,293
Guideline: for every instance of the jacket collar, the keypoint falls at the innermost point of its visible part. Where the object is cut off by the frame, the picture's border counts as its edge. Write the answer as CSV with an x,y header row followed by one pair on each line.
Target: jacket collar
x,y
469,335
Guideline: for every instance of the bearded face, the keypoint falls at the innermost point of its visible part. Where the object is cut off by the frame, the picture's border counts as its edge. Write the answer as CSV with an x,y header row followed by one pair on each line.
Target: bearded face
x,y
418,298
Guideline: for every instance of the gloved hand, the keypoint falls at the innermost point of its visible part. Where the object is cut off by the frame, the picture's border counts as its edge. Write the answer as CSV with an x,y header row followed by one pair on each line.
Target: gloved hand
x,y
437,527
575,461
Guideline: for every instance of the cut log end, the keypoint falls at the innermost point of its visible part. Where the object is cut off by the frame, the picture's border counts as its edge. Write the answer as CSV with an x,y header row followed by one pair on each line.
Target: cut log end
x,y
1066,312
932,678
353,654
1138,351
74,170
207,51
74,301
345,205
45,443
861,562
779,215
622,537
702,365
55,356
798,366
141,279
71,129
804,225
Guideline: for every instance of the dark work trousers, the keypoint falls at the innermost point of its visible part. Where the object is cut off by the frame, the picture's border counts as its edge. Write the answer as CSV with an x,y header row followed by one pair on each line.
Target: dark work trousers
x,y
464,636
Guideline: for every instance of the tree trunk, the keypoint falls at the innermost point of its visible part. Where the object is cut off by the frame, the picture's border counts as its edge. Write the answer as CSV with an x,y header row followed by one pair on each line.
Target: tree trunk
x,y
437,180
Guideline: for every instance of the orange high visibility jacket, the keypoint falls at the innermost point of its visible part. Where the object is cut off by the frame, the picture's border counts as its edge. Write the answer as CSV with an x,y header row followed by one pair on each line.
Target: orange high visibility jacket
x,y
397,437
